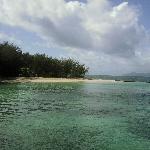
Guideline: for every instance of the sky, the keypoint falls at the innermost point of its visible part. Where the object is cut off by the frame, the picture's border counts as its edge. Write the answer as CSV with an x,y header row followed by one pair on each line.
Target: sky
x,y
108,36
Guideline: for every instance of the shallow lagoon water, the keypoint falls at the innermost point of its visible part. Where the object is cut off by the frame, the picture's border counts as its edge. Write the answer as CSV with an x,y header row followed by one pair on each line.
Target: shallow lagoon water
x,y
75,116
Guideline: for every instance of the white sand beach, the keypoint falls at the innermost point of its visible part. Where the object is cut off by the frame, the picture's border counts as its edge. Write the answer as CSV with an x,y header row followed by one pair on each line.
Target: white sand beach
x,y
53,80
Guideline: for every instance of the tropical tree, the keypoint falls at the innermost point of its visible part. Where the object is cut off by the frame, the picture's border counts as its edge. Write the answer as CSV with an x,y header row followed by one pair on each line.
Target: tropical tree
x,y
15,63
10,59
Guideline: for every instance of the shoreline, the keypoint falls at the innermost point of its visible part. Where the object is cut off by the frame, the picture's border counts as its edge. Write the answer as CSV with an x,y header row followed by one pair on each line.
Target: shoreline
x,y
55,80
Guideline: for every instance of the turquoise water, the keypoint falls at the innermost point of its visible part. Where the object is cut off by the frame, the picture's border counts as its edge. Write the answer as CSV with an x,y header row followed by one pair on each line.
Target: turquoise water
x,y
75,116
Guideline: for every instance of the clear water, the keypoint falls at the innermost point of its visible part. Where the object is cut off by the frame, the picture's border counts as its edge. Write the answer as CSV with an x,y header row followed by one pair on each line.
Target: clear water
x,y
75,116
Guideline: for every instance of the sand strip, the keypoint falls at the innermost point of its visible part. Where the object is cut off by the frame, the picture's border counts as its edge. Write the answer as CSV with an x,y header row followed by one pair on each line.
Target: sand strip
x,y
51,80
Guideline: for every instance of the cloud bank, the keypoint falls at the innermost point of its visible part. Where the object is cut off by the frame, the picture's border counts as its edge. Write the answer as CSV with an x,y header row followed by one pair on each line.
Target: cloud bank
x,y
107,38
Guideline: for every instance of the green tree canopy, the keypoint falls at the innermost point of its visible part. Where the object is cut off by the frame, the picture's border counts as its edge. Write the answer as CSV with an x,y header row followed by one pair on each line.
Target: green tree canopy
x,y
13,63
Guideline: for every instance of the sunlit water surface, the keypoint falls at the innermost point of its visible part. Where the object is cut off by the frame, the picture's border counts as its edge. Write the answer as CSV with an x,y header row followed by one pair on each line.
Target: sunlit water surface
x,y
75,116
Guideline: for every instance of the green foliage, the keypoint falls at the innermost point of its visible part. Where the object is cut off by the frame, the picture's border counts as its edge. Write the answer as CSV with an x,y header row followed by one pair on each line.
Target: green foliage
x,y
10,59
25,72
15,63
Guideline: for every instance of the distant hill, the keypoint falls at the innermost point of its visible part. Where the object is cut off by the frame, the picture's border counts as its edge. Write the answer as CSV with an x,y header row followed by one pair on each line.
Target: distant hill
x,y
137,74
126,78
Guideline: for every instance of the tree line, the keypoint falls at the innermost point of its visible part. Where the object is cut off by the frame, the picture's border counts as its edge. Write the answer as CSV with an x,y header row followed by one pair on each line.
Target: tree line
x,y
14,63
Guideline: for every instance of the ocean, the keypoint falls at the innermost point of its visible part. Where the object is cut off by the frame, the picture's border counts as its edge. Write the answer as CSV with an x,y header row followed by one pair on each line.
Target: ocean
x,y
75,116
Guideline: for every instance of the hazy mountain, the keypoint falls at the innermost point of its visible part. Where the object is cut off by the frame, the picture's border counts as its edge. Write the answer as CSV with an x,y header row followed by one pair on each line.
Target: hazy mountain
x,y
138,74
132,77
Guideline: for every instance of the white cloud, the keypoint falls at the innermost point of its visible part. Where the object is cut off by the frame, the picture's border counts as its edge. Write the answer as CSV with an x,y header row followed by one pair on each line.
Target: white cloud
x,y
96,32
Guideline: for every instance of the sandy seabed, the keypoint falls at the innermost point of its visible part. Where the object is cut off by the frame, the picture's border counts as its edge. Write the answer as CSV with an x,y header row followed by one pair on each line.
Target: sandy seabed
x,y
51,80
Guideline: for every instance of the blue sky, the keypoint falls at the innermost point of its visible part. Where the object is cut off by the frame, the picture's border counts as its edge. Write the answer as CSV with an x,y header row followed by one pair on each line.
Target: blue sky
x,y
144,5
109,36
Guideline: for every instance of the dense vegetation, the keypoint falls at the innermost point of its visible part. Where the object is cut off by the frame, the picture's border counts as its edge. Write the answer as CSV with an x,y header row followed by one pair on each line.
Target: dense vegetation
x,y
13,63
